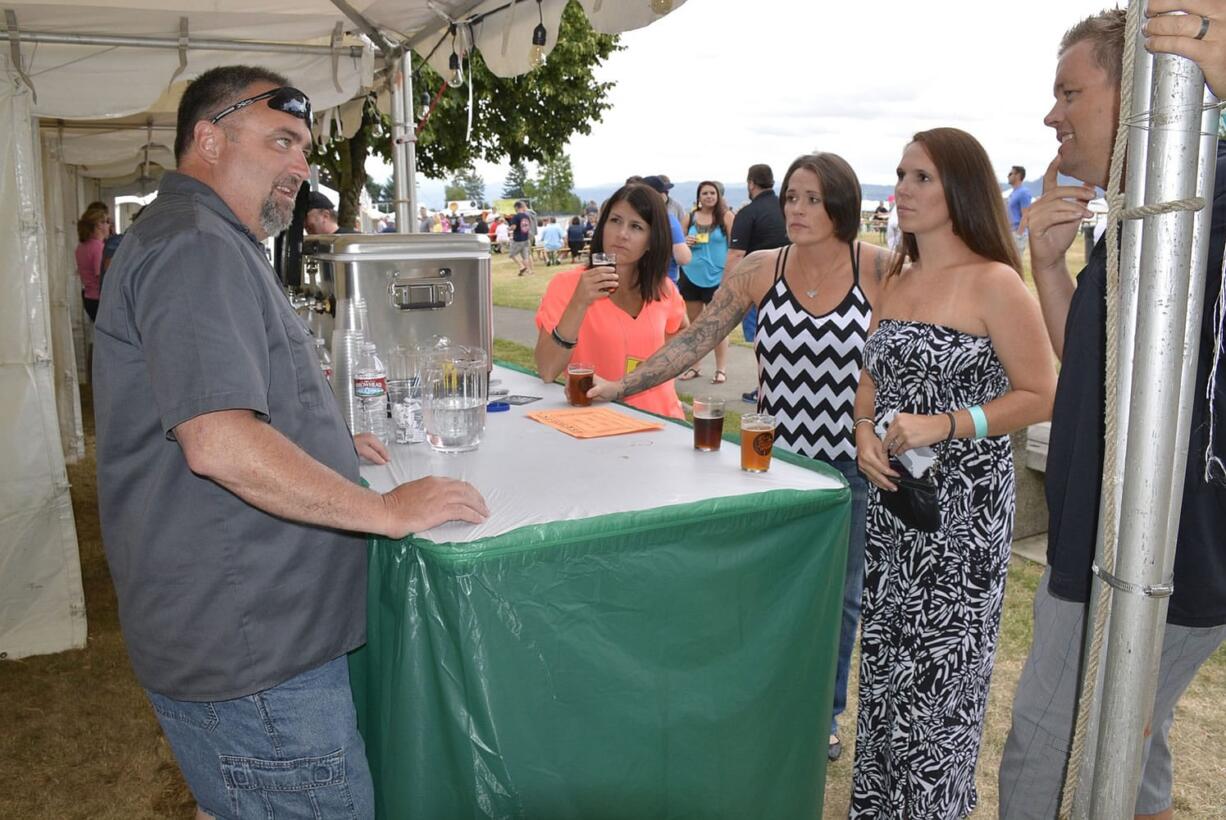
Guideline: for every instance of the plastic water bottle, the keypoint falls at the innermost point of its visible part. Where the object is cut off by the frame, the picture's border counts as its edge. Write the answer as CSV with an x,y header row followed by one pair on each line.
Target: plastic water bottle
x,y
370,394
325,359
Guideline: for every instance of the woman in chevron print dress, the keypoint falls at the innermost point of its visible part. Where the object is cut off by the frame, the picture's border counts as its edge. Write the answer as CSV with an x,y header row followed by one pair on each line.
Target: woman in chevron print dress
x,y
814,302
958,349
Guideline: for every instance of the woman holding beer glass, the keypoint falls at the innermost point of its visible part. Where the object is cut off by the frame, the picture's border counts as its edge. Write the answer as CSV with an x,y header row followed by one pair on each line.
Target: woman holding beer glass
x,y
814,301
616,315
707,229
958,358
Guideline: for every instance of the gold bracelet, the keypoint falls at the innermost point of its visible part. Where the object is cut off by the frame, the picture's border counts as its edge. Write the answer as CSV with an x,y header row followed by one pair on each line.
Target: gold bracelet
x,y
862,420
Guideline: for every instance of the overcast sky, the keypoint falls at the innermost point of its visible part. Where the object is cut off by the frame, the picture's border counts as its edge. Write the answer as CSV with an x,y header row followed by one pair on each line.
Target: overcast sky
x,y
720,84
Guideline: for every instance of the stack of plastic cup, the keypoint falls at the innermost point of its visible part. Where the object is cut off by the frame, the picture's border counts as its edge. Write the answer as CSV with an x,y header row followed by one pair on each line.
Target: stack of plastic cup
x,y
346,349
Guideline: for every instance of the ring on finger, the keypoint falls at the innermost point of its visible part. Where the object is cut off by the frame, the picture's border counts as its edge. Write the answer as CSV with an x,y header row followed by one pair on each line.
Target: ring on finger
x,y
1204,28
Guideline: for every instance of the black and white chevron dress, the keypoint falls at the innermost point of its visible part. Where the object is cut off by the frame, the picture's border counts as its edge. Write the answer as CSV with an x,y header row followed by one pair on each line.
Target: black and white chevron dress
x,y
932,602
809,367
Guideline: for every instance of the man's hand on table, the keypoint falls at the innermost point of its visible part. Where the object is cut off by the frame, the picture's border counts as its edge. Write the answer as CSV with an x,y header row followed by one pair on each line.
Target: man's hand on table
x,y
371,449
423,504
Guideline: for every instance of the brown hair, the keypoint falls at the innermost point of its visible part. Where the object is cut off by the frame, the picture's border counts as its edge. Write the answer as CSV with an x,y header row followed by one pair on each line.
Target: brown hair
x,y
1106,31
761,175
721,207
88,222
653,265
976,207
840,191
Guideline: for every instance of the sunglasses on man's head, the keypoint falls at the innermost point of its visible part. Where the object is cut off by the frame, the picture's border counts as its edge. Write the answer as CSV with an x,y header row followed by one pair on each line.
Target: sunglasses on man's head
x,y
289,100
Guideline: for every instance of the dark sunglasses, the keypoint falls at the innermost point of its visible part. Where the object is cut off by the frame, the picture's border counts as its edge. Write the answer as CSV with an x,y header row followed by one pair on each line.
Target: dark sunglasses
x,y
289,100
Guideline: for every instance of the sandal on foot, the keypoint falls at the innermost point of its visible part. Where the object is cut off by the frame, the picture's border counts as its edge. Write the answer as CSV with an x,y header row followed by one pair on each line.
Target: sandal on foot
x,y
719,378
835,750
690,373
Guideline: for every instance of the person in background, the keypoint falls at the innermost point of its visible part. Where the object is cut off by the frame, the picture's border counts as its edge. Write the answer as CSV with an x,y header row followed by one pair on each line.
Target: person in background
x,y
552,239
574,238
521,227
502,235
1086,90
92,229
757,226
481,227
617,316
1019,203
893,236
228,486
321,216
111,243
681,251
424,222
707,229
956,360
816,298
674,207
589,225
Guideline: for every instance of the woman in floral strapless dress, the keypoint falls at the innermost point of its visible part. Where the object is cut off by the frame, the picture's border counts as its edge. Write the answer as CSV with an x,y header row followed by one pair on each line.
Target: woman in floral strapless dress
x,y
959,351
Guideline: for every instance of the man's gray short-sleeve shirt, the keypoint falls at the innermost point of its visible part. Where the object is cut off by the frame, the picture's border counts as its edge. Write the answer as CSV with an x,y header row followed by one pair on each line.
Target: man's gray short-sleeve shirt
x,y
217,599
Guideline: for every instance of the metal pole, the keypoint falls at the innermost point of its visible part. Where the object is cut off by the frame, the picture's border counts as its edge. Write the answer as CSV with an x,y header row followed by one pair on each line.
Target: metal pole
x,y
1130,265
172,43
1134,640
404,145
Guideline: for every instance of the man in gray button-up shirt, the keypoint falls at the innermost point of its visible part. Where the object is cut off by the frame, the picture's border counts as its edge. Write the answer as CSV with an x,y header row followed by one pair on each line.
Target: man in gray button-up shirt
x,y
227,479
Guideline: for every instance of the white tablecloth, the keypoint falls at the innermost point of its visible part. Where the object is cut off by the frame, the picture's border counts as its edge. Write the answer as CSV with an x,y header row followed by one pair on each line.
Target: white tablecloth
x,y
530,473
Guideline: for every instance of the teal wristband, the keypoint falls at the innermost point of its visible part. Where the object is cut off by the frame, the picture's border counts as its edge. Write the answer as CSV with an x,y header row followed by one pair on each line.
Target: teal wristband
x,y
981,420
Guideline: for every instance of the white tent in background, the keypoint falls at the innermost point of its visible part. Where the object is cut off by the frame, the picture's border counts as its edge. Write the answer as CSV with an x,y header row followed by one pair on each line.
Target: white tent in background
x,y
88,104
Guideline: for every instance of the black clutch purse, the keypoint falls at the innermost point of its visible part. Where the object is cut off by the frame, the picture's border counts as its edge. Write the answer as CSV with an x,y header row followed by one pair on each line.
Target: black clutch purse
x,y
914,503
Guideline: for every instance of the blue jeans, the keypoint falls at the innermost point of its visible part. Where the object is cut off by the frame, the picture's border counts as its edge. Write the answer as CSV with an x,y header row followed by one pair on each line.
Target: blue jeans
x,y
292,751
853,583
749,324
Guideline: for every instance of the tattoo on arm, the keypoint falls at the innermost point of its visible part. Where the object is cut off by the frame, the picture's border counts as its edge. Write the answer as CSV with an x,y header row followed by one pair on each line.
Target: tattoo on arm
x,y
715,322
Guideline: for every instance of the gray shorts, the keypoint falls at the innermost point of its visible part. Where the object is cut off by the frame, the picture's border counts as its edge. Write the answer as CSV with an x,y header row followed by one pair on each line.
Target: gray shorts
x,y
523,249
1036,752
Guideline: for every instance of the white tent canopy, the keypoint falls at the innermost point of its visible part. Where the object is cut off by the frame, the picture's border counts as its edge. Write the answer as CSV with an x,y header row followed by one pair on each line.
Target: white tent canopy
x,y
90,93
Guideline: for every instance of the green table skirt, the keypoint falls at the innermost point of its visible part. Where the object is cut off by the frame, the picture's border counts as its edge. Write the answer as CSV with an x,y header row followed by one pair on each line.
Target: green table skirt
x,y
668,663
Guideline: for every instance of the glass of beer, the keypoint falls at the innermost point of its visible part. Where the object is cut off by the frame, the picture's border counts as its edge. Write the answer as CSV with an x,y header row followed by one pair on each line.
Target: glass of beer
x,y
757,440
708,423
602,260
578,382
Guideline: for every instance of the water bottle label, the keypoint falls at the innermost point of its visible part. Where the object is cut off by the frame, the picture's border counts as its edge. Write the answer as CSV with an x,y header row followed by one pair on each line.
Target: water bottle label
x,y
370,388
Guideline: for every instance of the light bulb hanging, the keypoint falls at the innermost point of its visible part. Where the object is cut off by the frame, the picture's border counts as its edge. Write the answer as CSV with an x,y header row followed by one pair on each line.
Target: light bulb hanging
x,y
536,54
661,6
455,78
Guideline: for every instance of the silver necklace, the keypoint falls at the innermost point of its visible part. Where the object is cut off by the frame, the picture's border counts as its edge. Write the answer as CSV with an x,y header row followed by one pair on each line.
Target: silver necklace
x,y
811,293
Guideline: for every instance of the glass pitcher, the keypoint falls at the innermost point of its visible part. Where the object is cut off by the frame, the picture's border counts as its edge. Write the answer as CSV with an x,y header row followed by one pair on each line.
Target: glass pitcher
x,y
454,382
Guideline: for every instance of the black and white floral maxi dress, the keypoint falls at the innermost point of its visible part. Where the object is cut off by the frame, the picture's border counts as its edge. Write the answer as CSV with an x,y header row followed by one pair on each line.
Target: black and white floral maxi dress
x,y
932,601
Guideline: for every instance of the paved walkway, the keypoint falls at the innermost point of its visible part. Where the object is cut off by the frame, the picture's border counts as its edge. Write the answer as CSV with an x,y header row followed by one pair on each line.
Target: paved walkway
x,y
519,326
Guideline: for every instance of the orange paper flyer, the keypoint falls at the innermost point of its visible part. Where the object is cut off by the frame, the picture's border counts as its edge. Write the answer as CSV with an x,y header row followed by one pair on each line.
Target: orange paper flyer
x,y
592,422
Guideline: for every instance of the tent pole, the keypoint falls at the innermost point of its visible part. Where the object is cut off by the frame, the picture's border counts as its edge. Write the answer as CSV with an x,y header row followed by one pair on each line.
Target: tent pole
x,y
404,145
196,43
1154,438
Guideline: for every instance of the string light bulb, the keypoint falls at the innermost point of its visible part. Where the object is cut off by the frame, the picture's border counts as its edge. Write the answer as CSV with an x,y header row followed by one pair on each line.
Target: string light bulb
x,y
661,6
457,76
536,54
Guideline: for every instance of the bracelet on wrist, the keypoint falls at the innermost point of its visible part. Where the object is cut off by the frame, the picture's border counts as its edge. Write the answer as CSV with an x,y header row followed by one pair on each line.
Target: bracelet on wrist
x,y
861,420
981,420
953,424
560,342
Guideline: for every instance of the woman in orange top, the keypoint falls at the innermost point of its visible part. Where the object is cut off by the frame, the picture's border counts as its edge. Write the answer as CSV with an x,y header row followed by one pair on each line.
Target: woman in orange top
x,y
616,316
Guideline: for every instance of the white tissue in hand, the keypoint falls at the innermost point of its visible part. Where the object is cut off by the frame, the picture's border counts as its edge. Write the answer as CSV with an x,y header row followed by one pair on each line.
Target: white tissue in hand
x,y
917,461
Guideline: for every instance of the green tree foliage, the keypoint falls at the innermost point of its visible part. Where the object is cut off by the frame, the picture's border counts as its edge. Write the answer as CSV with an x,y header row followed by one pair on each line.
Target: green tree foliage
x,y
555,187
381,193
528,117
467,184
517,178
